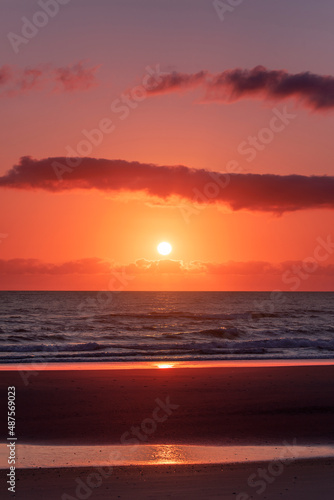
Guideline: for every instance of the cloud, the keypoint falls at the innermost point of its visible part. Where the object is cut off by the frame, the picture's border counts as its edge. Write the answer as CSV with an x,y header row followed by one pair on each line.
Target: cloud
x,y
315,92
255,192
75,77
176,82
5,75
35,266
95,266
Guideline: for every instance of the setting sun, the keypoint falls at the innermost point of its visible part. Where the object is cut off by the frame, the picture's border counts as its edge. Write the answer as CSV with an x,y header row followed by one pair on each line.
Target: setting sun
x,y
164,248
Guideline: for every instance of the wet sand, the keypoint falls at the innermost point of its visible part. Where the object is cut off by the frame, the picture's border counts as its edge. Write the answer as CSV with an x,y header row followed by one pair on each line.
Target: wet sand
x,y
226,405
303,480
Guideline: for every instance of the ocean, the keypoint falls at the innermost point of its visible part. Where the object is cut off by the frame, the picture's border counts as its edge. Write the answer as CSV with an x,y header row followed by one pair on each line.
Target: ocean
x,y
159,326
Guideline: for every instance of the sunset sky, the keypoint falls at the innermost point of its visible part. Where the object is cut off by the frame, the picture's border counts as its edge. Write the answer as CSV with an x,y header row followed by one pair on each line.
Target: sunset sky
x,y
205,126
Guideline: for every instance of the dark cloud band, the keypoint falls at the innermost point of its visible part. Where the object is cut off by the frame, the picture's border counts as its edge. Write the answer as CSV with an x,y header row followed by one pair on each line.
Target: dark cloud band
x,y
256,192
314,91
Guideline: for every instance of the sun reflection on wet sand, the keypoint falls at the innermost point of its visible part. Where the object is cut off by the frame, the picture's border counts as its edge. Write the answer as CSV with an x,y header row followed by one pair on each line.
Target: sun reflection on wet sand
x,y
158,454
169,454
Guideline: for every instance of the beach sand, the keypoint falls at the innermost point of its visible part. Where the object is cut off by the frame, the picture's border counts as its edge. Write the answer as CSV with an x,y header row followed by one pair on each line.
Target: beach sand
x,y
302,480
228,405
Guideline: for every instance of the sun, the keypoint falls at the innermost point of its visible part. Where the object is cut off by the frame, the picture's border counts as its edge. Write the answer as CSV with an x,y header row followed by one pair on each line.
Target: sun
x,y
164,248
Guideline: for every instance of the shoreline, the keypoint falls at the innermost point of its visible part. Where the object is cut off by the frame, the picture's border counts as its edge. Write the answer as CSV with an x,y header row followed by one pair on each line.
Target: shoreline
x,y
95,365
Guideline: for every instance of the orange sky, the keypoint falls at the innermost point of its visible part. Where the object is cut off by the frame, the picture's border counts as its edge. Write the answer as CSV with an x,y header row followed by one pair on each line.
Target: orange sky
x,y
84,71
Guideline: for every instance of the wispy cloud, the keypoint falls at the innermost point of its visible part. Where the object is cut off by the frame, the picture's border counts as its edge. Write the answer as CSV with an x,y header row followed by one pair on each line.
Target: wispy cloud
x,y
178,82
35,266
255,192
76,77
313,91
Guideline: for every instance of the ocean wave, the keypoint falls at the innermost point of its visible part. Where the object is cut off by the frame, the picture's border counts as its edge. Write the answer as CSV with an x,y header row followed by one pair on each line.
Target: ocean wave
x,y
175,314
33,337
226,333
33,347
218,346
157,326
